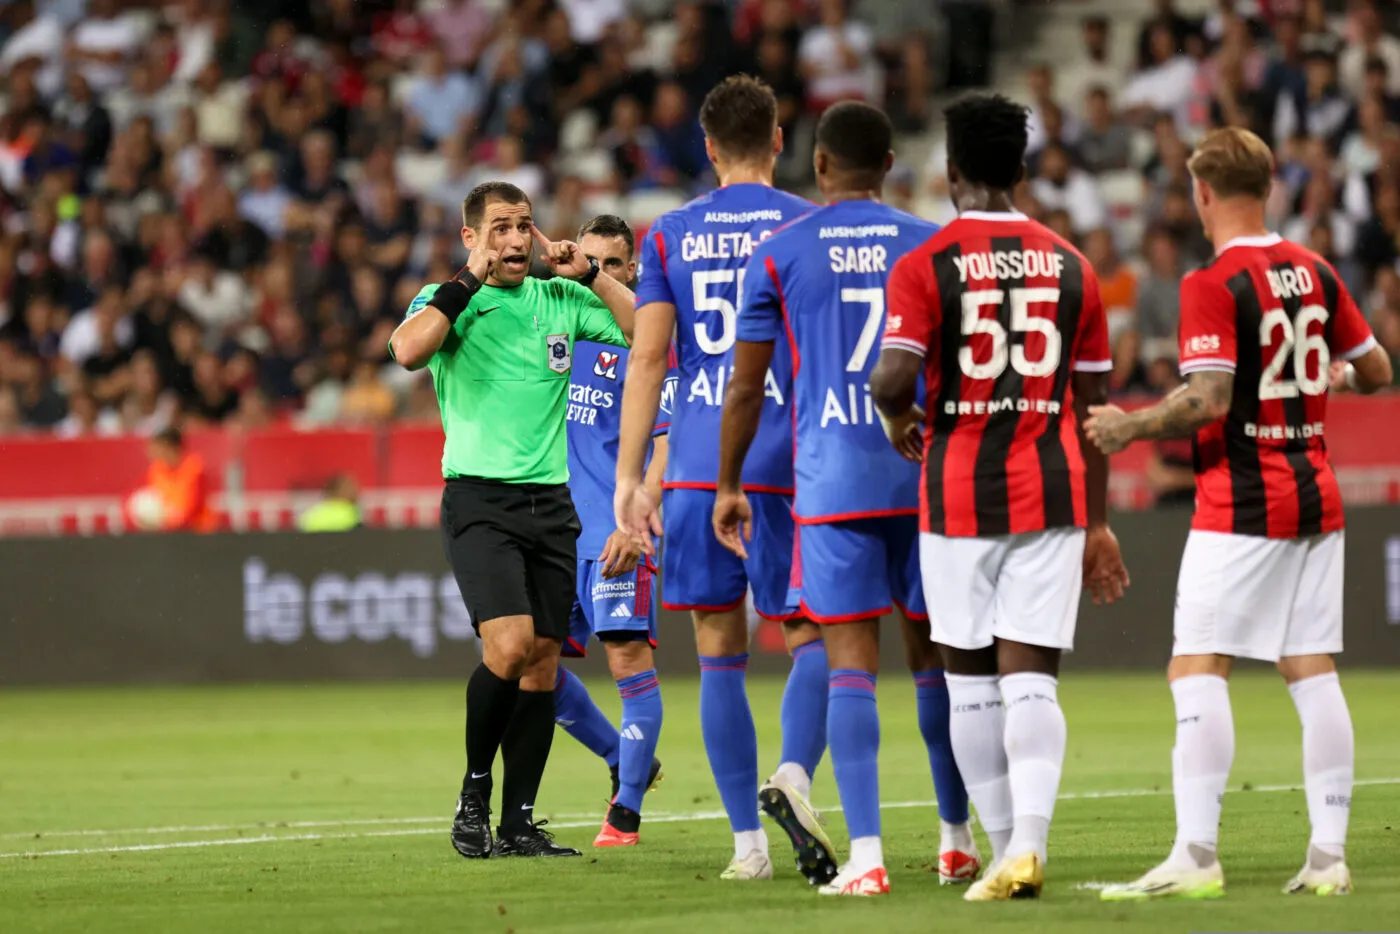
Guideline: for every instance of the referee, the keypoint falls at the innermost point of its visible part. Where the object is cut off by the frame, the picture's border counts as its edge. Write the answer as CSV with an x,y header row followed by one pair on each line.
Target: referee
x,y
500,346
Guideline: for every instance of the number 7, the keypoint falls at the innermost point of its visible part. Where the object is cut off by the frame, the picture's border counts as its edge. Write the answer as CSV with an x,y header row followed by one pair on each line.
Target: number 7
x,y
875,298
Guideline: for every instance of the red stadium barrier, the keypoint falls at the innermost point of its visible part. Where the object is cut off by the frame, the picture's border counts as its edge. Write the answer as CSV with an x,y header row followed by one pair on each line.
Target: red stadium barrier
x,y
262,479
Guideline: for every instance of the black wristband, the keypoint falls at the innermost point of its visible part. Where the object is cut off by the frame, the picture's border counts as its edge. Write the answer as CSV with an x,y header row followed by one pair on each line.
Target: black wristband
x,y
452,297
586,280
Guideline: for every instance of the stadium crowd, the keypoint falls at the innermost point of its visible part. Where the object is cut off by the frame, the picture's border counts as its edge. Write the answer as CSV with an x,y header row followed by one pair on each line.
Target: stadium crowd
x,y
213,215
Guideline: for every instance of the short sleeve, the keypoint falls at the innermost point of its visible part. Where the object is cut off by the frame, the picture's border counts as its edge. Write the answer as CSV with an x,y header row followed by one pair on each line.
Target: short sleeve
x,y
1208,339
1092,353
668,396
761,301
1351,335
592,319
652,283
420,301
911,307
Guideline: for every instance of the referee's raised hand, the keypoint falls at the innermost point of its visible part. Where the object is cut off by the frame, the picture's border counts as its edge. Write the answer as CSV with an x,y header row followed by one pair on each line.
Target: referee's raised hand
x,y
564,257
482,263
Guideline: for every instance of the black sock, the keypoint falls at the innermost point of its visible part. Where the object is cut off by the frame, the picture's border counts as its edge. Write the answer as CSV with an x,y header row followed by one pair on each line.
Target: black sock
x,y
491,704
525,750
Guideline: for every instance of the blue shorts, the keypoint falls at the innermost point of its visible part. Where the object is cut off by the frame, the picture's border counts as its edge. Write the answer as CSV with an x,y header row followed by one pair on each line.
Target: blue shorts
x,y
859,568
701,574
625,604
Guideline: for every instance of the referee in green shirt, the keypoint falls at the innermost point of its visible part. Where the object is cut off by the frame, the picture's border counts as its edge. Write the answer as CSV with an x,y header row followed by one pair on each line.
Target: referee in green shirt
x,y
500,345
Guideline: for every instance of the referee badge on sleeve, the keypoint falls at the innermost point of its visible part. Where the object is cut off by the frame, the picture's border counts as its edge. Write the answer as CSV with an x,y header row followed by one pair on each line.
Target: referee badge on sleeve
x,y
557,353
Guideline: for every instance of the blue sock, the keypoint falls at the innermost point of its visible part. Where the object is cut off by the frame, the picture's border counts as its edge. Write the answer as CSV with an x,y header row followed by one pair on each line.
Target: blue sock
x,y
641,727
804,707
853,725
726,723
575,711
948,786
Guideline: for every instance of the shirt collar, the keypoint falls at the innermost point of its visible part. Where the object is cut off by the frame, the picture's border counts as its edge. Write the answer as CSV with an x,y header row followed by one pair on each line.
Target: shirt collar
x,y
1265,240
993,216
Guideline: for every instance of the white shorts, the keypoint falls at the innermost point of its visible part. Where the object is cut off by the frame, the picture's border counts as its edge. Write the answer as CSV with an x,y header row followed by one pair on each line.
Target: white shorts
x,y
1021,588
1253,597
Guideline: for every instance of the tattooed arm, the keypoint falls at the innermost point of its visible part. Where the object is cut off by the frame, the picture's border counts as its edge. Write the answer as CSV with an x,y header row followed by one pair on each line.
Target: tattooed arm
x,y
1204,399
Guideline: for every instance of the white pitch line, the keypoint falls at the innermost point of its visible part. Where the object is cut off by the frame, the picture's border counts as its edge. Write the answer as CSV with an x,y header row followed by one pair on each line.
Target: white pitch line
x,y
569,822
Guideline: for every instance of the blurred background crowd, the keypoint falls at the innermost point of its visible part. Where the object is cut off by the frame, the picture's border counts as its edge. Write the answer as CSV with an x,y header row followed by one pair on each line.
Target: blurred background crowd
x,y
215,213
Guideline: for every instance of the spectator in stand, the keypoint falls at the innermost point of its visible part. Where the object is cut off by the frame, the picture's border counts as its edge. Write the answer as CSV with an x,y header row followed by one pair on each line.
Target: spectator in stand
x,y
1322,242
1323,111
1164,85
1378,84
402,33
1284,73
36,39
366,400
462,26
1319,205
1105,145
508,165
1060,186
287,369
837,58
376,122
635,150
1177,28
103,44
1361,150
86,123
1118,292
904,36
265,201
1368,40
106,372
680,142
1096,68
590,19
323,401
213,401
1159,309
149,407
440,103
1378,243
1042,87
180,480
1178,215
40,402
84,419
217,298
82,338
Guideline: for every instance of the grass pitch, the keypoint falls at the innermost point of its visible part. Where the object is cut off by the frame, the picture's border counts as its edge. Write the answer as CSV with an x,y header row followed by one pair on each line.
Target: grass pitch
x,y
325,808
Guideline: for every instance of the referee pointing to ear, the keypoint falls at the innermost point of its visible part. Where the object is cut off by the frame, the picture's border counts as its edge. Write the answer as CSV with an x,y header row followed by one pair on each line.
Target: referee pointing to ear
x,y
500,347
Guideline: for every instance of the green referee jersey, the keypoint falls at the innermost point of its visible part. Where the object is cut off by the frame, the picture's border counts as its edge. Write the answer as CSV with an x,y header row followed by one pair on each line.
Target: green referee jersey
x,y
502,377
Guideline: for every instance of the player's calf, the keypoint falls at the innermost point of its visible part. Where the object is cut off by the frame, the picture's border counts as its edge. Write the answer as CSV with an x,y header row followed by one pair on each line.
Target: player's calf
x,y
633,667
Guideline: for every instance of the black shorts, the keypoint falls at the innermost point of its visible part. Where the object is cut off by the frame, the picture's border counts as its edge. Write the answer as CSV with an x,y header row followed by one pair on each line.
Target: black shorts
x,y
514,550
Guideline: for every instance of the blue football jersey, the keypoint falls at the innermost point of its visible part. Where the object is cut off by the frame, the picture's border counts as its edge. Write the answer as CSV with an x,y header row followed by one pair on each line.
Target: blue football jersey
x,y
594,425
693,258
819,284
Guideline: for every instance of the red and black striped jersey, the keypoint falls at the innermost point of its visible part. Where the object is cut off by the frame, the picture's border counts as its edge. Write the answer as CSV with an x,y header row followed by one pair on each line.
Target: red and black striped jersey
x,y
1275,315
1003,311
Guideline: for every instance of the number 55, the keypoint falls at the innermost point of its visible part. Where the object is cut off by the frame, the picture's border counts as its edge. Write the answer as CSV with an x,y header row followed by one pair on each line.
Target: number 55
x,y
1022,321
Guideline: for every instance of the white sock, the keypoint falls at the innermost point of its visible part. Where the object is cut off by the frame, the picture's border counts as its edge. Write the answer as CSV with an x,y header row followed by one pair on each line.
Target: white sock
x,y
866,854
977,726
798,777
1035,756
746,841
1329,751
954,837
1205,748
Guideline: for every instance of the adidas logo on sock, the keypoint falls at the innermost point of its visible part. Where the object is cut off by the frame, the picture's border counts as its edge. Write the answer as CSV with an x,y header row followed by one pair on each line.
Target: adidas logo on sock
x,y
633,732
621,610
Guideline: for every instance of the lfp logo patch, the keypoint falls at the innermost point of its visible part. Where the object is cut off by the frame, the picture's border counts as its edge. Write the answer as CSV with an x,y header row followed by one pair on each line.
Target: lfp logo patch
x,y
606,365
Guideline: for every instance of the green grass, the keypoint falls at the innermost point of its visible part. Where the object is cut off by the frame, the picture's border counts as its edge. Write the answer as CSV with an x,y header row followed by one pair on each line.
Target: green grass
x,y
245,763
